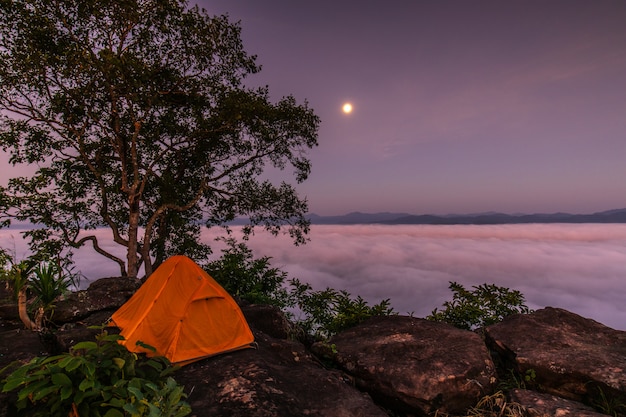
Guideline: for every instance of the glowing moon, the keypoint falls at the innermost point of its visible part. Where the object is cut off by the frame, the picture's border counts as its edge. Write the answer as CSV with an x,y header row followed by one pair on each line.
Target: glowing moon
x,y
347,108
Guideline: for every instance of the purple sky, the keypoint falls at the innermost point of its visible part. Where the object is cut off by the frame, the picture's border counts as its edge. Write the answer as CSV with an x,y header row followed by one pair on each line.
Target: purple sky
x,y
515,106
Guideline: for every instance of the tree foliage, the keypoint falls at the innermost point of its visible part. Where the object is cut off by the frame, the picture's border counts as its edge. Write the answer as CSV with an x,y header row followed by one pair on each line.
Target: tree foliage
x,y
485,304
136,117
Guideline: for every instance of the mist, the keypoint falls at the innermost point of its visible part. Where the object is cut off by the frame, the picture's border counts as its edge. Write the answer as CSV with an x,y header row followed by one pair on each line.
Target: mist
x,y
579,267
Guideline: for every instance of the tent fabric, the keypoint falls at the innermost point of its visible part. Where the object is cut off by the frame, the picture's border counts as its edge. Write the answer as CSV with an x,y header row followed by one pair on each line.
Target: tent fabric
x,y
183,313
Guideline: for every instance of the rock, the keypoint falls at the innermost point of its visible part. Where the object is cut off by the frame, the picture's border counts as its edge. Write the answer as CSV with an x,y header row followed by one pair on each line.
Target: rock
x,y
409,366
414,365
279,378
20,346
572,357
87,329
268,319
17,347
106,294
545,405
9,315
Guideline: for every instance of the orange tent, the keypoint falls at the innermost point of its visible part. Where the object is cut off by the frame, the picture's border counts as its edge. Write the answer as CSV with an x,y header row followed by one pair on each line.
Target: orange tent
x,y
183,313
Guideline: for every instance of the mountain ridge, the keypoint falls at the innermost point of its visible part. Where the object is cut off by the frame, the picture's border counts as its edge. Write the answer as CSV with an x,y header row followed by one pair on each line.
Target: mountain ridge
x,y
493,218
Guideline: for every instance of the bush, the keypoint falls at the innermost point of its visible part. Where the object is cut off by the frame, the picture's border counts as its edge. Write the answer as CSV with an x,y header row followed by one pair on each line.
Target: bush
x,y
486,304
252,280
318,313
44,280
97,379
327,312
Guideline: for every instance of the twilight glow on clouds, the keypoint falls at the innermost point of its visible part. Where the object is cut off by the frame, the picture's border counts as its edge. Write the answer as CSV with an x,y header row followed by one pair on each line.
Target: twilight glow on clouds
x,y
513,106
579,267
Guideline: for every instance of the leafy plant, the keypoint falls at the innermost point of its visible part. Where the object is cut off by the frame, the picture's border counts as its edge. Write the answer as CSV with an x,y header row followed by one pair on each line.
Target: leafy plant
x,y
48,283
606,403
17,275
317,313
324,313
97,379
514,379
252,280
37,283
484,305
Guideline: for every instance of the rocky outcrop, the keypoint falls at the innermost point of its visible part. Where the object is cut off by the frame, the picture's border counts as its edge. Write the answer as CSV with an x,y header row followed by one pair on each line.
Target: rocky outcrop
x,y
414,365
537,404
278,378
570,356
405,365
105,294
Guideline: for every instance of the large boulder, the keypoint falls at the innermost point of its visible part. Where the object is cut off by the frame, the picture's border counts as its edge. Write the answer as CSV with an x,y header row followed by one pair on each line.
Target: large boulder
x,y
536,404
278,378
269,320
17,347
414,365
106,294
572,357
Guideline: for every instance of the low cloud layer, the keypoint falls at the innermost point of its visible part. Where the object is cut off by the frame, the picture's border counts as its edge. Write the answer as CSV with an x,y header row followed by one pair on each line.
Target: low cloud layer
x,y
581,268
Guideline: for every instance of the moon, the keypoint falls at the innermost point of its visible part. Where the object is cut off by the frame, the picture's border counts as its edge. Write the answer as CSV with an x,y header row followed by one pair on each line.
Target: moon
x,y
347,108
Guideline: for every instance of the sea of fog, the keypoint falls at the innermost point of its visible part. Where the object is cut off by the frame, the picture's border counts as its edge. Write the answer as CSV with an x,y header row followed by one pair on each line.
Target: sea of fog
x,y
579,267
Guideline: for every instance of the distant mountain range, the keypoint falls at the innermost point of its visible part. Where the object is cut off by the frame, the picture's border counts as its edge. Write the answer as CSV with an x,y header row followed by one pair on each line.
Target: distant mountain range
x,y
610,216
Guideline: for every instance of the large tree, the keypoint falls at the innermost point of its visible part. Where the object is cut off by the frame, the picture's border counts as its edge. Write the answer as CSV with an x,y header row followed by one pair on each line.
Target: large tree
x,y
136,117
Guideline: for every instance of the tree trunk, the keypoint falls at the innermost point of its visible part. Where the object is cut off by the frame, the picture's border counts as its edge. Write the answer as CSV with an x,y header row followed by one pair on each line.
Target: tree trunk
x,y
21,305
133,232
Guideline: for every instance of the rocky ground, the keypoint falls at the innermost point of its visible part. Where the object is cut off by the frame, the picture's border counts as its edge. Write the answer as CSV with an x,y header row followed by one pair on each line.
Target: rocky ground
x,y
548,363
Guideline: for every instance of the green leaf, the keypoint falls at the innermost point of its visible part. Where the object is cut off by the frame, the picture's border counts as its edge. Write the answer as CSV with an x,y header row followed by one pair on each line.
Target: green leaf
x,y
31,389
115,402
44,392
12,382
119,362
61,379
85,345
154,411
136,392
66,392
113,413
90,369
85,384
74,363
65,361
130,408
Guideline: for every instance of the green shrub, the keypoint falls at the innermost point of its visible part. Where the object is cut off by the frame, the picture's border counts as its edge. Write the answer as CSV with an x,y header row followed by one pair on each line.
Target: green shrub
x,y
38,283
17,274
484,305
97,379
318,313
324,313
252,280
